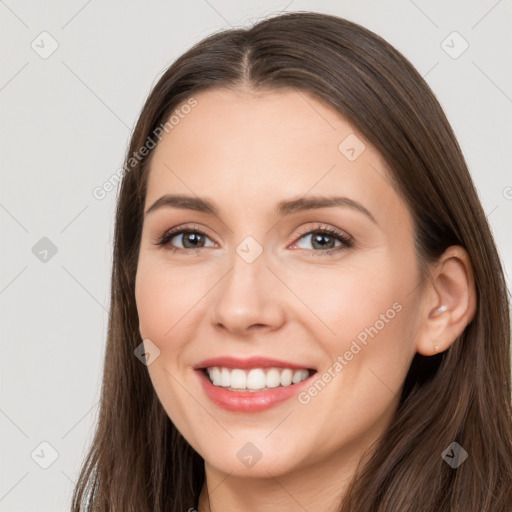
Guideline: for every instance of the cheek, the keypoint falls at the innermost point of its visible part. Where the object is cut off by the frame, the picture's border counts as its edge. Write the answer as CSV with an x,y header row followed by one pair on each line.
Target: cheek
x,y
363,312
367,338
151,303
162,317
348,299
163,297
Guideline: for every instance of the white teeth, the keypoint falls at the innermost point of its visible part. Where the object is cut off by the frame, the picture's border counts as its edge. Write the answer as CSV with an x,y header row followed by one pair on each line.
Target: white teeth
x,y
255,378
238,379
273,378
299,376
225,378
215,376
286,377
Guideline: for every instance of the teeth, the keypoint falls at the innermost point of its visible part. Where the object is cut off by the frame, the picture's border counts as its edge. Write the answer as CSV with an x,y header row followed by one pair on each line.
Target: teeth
x,y
215,376
297,377
225,378
286,377
273,378
238,379
256,378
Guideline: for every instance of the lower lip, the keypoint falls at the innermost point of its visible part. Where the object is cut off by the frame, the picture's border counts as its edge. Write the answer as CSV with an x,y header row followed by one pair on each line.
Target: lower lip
x,y
247,401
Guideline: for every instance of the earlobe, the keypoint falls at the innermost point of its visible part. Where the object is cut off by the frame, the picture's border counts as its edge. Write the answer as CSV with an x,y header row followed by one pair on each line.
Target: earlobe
x,y
449,302
440,310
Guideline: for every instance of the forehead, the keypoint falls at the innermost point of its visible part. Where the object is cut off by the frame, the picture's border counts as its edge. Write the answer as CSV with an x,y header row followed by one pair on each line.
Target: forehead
x,y
247,148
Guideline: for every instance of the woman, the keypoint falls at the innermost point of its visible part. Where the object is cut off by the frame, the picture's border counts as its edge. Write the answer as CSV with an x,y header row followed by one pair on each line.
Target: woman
x,y
308,309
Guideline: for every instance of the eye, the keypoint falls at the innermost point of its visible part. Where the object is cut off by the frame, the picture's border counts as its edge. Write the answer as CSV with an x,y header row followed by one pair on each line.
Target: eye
x,y
324,239
189,237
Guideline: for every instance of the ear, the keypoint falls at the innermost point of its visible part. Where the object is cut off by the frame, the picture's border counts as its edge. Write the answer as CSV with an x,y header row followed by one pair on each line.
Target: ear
x,y
448,302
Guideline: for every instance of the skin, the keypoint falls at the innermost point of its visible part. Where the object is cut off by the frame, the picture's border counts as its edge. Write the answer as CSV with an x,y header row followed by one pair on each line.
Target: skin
x,y
245,152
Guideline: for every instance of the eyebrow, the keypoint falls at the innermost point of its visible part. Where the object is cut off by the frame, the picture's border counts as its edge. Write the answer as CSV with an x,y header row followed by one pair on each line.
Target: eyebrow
x,y
283,208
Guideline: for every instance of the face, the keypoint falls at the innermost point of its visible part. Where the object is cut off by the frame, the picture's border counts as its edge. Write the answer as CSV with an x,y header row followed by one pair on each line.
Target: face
x,y
272,283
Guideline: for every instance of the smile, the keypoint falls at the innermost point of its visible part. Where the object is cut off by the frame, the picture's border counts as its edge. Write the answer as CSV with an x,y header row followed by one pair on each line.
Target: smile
x,y
256,379
251,385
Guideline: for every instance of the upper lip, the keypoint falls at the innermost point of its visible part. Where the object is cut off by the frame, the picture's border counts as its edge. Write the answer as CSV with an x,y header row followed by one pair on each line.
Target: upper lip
x,y
250,362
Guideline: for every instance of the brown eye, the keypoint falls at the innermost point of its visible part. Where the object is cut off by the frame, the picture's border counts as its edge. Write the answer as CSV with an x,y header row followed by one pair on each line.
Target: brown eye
x,y
182,239
191,239
324,241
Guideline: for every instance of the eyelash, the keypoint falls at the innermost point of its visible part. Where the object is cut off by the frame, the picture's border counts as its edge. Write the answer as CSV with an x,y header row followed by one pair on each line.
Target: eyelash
x,y
347,241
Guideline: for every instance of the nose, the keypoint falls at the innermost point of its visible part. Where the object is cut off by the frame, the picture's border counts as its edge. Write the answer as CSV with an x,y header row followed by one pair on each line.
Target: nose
x,y
248,298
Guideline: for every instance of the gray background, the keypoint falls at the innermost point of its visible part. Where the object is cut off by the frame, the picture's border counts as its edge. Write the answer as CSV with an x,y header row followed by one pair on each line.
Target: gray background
x,y
67,119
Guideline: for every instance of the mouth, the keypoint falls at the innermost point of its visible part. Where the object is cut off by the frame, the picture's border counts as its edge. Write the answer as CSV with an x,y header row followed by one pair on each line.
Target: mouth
x,y
255,379
251,385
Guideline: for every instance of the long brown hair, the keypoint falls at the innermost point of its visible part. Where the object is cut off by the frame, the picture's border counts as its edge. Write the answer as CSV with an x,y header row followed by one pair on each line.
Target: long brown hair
x,y
138,460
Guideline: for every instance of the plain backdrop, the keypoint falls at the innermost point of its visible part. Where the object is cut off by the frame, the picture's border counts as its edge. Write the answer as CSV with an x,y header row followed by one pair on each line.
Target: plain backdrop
x,y
66,120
